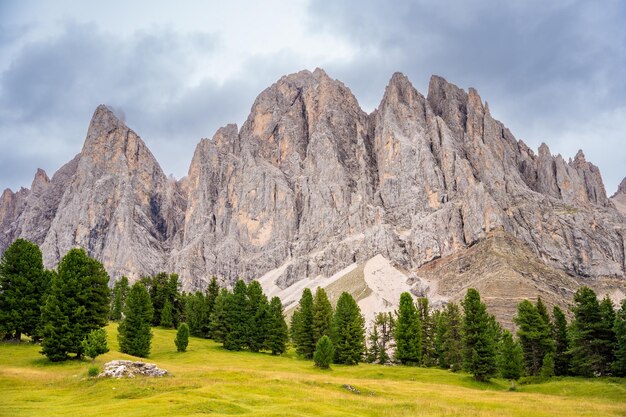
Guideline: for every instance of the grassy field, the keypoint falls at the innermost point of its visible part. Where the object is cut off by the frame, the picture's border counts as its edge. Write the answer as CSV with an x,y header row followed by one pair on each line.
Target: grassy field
x,y
207,380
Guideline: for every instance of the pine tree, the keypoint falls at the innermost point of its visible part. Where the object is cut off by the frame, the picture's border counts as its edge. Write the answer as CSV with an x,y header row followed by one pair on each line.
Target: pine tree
x,y
258,317
166,315
213,291
182,337
219,323
302,326
543,311
427,353
322,314
510,359
277,335
197,314
453,337
78,303
561,343
119,293
408,332
95,344
534,334
619,364
348,331
324,353
547,365
385,324
479,349
607,341
163,288
585,353
23,283
237,317
373,351
134,332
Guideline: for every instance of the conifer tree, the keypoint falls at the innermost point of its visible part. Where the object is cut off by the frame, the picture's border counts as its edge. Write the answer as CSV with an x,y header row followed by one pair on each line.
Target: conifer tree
x,y
385,324
197,314
585,353
322,314
535,336
561,343
237,317
218,320
479,350
166,315
373,350
134,332
607,341
182,337
510,359
78,303
619,364
95,344
258,317
453,337
547,365
23,283
163,288
348,331
408,332
543,311
212,292
302,326
427,353
119,293
277,335
324,353
440,327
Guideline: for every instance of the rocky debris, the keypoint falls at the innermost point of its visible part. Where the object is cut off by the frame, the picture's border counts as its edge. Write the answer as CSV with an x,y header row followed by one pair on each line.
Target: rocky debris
x,y
311,184
130,369
352,389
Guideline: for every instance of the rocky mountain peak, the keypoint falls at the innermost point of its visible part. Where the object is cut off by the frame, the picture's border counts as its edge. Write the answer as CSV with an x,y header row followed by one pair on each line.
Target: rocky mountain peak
x,y
621,189
40,182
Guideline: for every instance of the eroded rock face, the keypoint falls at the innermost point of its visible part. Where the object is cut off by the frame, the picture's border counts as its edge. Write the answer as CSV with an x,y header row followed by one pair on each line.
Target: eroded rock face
x,y
311,184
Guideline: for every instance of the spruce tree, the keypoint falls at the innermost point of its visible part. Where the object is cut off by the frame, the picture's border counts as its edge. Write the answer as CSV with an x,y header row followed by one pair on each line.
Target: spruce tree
x,y
166,320
95,344
510,359
561,343
182,337
547,365
324,353
385,325
163,288
119,293
218,320
277,335
348,331
408,332
440,323
373,350
23,283
237,317
535,336
322,314
607,341
543,311
212,292
585,352
302,326
427,353
197,314
78,303
258,317
453,337
619,364
479,349
134,332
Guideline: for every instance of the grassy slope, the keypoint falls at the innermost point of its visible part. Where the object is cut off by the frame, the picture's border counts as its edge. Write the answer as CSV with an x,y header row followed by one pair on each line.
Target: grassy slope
x,y
209,380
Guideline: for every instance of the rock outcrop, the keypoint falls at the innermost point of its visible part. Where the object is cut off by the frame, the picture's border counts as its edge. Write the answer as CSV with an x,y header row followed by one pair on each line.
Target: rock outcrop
x,y
311,184
130,369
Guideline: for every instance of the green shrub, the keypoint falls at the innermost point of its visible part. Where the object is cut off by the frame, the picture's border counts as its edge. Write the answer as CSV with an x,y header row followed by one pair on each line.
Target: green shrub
x,y
93,371
324,353
182,337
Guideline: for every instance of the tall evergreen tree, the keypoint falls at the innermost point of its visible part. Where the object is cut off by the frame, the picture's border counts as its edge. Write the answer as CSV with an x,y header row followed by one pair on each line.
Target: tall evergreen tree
x,y
535,336
619,364
197,314
427,353
585,331
510,359
607,342
385,324
348,331
167,320
543,311
237,317
163,288
453,337
277,335
322,314
258,317
23,283
302,326
408,332
218,320
134,332
119,293
479,349
212,292
78,303
324,352
440,322
373,349
561,343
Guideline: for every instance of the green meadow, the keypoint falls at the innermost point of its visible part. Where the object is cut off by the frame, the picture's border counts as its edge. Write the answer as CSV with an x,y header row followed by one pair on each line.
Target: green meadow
x,y
208,380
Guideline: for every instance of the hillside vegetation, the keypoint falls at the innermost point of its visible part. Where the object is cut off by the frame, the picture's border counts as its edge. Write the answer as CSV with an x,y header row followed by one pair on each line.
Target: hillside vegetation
x,y
208,380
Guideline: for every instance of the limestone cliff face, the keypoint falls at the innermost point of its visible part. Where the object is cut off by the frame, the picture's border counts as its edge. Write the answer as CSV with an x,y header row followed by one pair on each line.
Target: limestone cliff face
x,y
311,184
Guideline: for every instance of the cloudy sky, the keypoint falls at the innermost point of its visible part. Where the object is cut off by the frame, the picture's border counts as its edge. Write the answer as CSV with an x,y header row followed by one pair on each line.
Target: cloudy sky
x,y
552,71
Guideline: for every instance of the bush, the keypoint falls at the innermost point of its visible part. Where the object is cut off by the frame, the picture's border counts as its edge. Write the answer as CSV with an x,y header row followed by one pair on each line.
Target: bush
x,y
324,353
182,337
93,371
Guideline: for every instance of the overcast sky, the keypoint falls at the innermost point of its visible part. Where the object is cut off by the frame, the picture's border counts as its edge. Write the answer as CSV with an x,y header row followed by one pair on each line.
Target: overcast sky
x,y
553,72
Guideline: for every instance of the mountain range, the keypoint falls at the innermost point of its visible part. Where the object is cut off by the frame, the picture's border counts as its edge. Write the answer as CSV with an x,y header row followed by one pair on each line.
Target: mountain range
x,y
429,194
